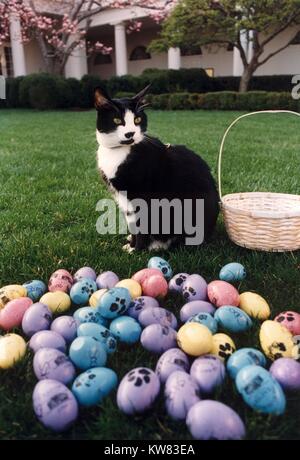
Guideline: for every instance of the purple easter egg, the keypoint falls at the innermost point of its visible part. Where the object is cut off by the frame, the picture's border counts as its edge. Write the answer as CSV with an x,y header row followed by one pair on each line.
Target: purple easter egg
x,y
209,372
49,363
214,420
195,307
54,405
85,272
287,372
176,283
66,326
172,360
138,391
181,393
37,318
158,339
107,280
194,288
141,303
47,339
157,315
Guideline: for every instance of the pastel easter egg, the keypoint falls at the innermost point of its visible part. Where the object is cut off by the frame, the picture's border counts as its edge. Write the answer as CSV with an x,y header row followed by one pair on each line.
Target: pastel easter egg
x,y
194,288
54,405
85,273
206,319
12,349
176,283
244,357
157,315
194,339
254,305
66,326
11,292
260,390
158,339
232,272
170,361
133,287
222,346
145,273
155,286
12,314
60,280
275,340
162,265
290,320
88,315
233,319
181,393
214,420
222,293
49,363
209,373
139,304
138,391
35,289
100,333
36,318
94,299
126,329
296,351
86,352
287,372
47,339
93,385
82,290
107,280
114,302
57,302
194,307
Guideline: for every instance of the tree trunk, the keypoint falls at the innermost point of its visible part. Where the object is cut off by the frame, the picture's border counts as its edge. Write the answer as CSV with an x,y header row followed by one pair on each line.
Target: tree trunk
x,y
245,79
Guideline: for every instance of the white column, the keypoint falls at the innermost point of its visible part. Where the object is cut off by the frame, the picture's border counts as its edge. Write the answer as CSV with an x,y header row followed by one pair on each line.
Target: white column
x,y
17,47
174,58
76,66
120,49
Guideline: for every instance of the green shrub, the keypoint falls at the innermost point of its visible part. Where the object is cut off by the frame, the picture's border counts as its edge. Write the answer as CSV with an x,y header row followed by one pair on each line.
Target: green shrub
x,y
88,84
123,95
126,83
12,91
39,91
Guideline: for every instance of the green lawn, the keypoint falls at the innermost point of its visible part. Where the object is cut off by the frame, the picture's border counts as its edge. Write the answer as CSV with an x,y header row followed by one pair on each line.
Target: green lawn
x,y
49,190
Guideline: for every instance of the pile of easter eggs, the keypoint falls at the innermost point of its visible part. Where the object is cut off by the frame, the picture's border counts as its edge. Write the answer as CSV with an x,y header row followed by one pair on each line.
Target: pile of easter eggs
x,y
75,324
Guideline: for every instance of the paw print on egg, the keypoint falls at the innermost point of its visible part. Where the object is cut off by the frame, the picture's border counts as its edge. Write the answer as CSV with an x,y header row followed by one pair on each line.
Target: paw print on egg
x,y
114,302
139,377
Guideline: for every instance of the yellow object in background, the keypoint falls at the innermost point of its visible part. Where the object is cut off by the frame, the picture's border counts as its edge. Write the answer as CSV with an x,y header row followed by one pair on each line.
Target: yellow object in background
x,y
194,339
276,340
94,299
57,301
133,287
254,305
12,349
11,292
223,346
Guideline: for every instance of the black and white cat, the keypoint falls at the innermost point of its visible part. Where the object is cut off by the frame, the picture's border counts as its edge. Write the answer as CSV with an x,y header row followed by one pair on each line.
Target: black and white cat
x,y
142,166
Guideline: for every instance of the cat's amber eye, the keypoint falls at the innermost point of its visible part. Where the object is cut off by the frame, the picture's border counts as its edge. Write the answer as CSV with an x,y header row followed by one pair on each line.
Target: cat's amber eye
x,y
137,120
117,121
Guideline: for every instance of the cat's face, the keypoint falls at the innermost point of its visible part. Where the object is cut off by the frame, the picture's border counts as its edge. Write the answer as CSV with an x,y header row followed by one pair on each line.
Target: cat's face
x,y
120,121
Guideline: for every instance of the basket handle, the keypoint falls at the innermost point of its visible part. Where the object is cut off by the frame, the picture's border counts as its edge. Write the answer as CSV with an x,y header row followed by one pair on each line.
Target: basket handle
x,y
231,126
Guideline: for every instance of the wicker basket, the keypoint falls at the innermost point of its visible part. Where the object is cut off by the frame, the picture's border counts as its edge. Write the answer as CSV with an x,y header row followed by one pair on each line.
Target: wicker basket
x,y
258,220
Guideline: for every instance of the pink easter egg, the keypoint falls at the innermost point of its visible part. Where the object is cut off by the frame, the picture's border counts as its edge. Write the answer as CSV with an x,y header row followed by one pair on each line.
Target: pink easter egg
x,y
142,275
155,286
221,293
290,320
60,280
12,314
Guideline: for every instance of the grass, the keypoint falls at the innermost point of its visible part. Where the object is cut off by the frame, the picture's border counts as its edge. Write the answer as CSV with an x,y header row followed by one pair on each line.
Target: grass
x,y
49,190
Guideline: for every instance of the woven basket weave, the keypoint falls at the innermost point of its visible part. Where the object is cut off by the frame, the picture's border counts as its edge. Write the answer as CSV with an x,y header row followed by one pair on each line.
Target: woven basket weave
x,y
258,220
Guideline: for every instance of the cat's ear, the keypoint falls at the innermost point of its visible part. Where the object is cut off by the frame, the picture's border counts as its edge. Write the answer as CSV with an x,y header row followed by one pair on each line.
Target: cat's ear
x,y
102,99
139,98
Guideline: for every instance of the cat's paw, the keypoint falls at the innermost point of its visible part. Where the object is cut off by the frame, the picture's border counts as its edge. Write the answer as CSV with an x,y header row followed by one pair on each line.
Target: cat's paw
x,y
128,248
129,238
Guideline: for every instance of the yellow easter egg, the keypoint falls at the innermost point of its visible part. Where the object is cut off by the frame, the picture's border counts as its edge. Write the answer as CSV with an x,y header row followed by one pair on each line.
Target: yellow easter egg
x,y
94,299
133,287
57,301
223,346
11,292
254,305
275,340
12,349
194,339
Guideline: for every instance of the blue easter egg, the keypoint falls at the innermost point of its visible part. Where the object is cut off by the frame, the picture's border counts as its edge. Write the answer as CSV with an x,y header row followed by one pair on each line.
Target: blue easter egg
x,y
232,272
162,265
93,385
89,315
206,319
82,290
100,333
126,329
244,357
35,289
260,390
86,352
114,302
233,319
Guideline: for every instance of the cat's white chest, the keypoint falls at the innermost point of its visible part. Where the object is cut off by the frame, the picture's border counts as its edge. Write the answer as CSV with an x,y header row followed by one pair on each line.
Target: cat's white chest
x,y
110,159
